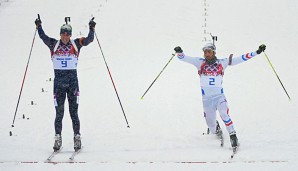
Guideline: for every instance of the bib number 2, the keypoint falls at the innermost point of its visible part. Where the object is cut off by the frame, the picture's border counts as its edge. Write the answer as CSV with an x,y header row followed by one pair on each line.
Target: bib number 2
x,y
211,81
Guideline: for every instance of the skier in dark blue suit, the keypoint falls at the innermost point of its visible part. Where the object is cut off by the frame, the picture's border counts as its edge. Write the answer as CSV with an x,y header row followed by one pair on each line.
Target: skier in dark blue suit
x,y
64,55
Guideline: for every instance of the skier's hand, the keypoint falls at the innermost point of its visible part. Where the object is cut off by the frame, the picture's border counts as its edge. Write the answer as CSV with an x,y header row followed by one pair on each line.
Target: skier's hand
x,y
261,49
37,22
178,49
92,25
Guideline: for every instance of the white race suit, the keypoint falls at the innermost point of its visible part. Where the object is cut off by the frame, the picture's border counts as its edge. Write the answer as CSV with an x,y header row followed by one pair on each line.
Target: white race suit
x,y
211,78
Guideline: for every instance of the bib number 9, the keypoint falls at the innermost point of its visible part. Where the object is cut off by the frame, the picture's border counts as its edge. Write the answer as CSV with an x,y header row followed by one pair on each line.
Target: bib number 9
x,y
64,64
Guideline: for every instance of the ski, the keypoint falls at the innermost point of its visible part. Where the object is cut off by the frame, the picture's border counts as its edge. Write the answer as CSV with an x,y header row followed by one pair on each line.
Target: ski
x,y
53,154
74,154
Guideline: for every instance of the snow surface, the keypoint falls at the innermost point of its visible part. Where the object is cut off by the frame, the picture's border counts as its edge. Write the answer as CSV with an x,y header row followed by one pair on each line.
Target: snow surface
x,y
137,38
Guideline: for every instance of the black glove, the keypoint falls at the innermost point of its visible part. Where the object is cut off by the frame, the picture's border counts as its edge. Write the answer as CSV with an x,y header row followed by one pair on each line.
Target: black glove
x,y
37,22
261,49
92,25
178,49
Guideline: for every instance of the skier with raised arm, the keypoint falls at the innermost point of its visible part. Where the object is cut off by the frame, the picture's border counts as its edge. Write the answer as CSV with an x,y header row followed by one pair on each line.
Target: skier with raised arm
x,y
211,71
64,55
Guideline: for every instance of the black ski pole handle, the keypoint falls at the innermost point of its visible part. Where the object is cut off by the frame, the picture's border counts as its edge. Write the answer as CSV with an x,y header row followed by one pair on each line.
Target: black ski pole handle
x,y
38,16
67,19
214,38
92,19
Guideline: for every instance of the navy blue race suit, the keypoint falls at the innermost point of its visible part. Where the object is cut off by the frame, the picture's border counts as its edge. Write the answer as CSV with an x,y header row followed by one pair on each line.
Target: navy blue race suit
x,y
64,57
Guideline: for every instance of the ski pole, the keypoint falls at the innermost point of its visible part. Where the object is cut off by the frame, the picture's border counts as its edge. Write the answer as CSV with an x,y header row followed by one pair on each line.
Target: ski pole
x,y
277,75
112,79
158,76
20,94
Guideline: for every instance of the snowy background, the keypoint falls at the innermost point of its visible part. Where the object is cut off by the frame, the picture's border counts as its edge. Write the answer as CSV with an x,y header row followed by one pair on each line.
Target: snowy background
x,y
138,37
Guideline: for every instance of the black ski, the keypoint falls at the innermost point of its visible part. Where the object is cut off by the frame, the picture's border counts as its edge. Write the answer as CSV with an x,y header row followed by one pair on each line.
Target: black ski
x,y
219,134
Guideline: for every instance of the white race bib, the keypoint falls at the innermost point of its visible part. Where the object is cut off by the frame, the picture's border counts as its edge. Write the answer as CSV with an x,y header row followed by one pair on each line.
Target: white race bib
x,y
65,62
211,81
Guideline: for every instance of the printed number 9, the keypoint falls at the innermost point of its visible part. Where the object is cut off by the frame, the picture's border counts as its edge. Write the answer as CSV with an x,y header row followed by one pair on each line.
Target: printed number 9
x,y
64,63
211,81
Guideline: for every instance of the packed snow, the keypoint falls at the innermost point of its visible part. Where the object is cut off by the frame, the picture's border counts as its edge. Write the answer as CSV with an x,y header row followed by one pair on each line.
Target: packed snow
x,y
167,127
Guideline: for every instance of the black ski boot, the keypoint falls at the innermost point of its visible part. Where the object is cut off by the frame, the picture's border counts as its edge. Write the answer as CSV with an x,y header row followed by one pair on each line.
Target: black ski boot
x,y
219,134
218,130
77,142
234,140
58,142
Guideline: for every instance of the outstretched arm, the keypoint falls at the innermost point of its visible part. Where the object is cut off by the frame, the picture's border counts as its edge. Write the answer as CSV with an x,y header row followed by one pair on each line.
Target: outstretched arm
x,y
50,42
192,60
247,56
242,58
84,41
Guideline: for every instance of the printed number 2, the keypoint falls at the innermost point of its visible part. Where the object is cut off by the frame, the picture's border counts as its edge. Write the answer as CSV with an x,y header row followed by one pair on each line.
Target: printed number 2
x,y
64,63
211,81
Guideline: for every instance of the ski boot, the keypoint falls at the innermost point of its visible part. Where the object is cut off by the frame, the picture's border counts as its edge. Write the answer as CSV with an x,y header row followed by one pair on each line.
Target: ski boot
x,y
234,139
219,134
234,142
58,142
77,142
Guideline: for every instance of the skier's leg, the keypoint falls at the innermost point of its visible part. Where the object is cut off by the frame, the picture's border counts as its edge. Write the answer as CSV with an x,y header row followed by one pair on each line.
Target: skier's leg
x,y
73,101
224,113
59,99
210,114
223,110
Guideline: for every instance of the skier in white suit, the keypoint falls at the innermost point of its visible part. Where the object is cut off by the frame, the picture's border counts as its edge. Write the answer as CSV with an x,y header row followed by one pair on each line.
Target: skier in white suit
x,y
211,71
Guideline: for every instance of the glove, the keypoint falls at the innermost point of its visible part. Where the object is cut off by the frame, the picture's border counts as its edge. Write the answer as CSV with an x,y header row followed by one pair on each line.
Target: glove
x,y
37,22
92,25
178,49
261,49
